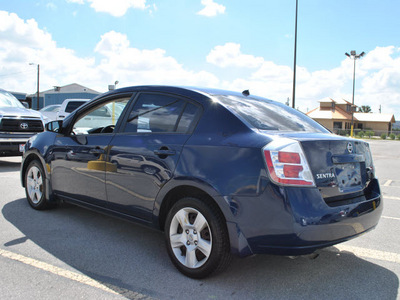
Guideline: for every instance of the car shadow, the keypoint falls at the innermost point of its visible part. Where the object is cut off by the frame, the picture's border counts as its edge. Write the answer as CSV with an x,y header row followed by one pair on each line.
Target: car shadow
x,y
9,166
128,256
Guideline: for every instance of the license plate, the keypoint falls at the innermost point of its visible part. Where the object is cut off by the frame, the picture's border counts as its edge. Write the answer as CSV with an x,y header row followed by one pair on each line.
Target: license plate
x,y
348,176
21,147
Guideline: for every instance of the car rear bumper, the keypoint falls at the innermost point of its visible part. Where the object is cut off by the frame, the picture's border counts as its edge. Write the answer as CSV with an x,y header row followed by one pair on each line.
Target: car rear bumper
x,y
295,221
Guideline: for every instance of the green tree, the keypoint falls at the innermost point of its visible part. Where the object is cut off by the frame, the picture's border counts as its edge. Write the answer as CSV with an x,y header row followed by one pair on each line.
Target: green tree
x,y
365,109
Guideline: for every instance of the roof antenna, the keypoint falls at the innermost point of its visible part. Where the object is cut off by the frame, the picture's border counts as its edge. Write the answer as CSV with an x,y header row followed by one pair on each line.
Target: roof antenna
x,y
246,93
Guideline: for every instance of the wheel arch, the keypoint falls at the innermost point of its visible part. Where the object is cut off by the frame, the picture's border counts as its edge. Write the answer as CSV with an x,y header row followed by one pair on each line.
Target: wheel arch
x,y
174,194
28,158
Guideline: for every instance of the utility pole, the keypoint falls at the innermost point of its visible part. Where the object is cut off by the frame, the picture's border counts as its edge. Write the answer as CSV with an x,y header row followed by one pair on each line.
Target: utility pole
x,y
38,72
294,63
353,56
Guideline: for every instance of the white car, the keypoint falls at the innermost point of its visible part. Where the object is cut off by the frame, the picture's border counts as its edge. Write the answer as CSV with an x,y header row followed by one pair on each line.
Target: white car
x,y
68,106
17,124
50,111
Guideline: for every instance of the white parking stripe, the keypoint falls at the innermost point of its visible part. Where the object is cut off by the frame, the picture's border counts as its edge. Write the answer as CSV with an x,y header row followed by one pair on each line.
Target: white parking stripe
x,y
391,197
388,182
73,276
391,218
369,253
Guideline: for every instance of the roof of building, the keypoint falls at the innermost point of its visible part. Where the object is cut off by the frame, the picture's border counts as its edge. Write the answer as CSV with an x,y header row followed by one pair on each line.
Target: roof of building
x,y
337,113
371,117
69,88
330,100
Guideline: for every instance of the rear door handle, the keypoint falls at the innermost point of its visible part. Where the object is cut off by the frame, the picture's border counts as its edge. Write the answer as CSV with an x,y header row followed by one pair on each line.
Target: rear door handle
x,y
164,152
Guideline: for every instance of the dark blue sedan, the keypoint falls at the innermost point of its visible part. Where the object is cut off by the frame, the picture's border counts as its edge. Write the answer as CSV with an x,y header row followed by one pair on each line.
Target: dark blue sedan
x,y
219,172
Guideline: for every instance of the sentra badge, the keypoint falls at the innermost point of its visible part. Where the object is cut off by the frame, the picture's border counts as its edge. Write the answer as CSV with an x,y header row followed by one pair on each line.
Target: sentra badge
x,y
325,175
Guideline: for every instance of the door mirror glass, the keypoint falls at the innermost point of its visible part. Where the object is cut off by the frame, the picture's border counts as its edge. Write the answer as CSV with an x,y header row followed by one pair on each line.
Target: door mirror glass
x,y
54,126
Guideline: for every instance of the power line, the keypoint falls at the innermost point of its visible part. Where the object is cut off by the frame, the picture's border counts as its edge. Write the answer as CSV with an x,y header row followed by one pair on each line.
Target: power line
x,y
16,73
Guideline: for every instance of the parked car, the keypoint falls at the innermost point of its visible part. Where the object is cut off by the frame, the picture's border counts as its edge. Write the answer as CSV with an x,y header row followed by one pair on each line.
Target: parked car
x,y
68,106
238,174
51,111
17,124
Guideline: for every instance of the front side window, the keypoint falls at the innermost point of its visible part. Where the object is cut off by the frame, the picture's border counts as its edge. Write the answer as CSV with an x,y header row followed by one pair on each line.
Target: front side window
x,y
158,113
100,119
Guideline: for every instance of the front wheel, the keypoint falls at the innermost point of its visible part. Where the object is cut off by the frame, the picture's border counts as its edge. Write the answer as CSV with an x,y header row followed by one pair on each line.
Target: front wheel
x,y
35,186
197,239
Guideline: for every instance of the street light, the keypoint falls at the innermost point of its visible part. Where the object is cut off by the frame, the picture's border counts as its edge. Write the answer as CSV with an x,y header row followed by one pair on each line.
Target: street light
x,y
353,56
38,72
294,60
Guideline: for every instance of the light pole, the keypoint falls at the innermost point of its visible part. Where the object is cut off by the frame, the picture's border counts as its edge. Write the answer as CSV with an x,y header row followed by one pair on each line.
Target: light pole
x,y
38,75
353,56
294,60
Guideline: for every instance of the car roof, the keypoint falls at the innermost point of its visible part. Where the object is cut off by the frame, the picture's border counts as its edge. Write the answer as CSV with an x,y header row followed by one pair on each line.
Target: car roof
x,y
190,91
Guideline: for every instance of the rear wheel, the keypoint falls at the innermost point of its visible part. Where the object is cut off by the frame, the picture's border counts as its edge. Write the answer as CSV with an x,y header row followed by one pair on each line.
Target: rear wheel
x,y
35,186
197,239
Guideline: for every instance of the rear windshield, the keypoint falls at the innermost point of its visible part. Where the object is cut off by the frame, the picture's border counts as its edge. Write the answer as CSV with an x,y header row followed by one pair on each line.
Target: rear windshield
x,y
269,115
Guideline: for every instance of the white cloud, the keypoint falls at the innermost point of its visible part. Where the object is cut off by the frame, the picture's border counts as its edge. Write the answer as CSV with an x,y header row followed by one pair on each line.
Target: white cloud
x,y
76,1
377,78
114,58
22,42
117,8
211,8
229,55
51,6
134,66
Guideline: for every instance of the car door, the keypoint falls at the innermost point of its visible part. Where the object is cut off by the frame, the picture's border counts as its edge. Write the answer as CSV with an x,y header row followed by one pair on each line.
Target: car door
x,y
147,150
79,157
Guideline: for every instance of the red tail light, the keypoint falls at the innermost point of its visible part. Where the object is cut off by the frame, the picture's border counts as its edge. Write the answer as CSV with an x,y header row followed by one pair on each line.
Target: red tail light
x,y
292,171
289,157
287,164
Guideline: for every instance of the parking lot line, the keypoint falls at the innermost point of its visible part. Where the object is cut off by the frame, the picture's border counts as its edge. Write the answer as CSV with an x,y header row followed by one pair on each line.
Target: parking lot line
x,y
388,182
391,218
369,253
391,197
73,276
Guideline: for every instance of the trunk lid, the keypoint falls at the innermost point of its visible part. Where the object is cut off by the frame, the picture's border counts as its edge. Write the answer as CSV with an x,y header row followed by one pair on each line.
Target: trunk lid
x,y
341,167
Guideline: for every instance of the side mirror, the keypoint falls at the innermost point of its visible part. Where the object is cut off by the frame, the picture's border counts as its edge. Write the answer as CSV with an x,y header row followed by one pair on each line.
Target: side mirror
x,y
54,126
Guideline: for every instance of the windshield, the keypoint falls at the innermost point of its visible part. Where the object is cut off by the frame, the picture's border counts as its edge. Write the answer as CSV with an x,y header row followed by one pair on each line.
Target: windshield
x,y
8,100
266,114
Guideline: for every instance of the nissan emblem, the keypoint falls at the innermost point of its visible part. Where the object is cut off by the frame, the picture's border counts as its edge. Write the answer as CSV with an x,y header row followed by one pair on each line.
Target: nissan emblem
x,y
350,147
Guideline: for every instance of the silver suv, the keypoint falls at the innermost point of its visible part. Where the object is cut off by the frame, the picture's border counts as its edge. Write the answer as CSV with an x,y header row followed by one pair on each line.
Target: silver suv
x,y
17,124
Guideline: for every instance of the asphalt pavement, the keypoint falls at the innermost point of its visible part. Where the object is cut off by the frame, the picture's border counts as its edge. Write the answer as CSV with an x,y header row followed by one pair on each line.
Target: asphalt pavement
x,y
73,253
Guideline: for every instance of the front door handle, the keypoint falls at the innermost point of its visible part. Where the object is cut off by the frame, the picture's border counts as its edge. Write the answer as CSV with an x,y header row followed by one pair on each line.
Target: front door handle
x,y
97,151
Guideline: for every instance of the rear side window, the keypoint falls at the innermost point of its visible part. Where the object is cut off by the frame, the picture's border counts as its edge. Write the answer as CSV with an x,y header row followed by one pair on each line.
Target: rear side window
x,y
158,113
72,105
189,114
269,115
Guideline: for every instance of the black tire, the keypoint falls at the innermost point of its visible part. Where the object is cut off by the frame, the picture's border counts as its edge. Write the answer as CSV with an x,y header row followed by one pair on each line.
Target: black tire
x,y
35,186
196,237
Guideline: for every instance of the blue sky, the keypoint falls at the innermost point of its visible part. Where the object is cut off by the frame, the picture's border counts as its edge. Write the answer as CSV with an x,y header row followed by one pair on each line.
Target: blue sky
x,y
217,43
